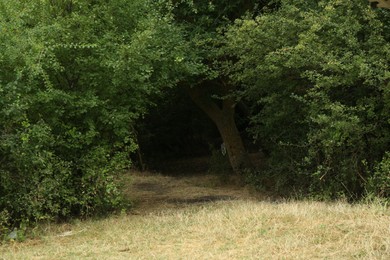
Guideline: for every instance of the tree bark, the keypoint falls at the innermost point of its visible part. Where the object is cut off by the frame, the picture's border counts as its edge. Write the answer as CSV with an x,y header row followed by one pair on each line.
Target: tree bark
x,y
224,120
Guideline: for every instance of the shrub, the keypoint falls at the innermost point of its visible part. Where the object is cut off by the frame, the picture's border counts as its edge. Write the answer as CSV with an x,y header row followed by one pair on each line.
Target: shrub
x,y
379,183
317,77
73,78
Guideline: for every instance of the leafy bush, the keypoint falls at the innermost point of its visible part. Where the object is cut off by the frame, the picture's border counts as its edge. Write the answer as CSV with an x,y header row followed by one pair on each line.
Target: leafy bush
x,y
74,77
4,224
379,183
317,76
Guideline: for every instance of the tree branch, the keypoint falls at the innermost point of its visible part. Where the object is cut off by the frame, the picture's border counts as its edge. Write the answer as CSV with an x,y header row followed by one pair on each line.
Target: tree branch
x,y
204,102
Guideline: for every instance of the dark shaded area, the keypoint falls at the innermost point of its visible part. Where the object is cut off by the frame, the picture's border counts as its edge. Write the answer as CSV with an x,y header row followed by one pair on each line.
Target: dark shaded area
x,y
175,129
178,137
185,166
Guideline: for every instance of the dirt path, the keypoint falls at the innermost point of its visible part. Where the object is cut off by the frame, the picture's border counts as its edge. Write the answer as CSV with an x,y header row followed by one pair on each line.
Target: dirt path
x,y
152,192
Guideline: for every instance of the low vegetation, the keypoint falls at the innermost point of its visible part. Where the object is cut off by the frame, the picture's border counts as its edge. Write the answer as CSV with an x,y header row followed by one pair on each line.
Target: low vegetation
x,y
248,225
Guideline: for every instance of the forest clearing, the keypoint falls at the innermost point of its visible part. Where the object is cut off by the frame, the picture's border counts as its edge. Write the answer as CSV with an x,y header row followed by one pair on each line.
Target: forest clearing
x,y
106,107
196,217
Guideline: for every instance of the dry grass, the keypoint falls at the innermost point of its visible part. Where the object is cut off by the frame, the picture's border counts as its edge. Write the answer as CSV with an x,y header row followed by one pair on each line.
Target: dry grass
x,y
244,228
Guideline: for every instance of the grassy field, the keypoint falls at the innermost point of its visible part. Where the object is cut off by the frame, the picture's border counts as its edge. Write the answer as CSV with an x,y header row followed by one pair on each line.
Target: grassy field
x,y
196,218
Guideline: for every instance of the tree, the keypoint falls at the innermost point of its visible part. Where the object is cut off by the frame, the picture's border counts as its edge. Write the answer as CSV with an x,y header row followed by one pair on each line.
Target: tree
x,y
203,24
317,74
74,77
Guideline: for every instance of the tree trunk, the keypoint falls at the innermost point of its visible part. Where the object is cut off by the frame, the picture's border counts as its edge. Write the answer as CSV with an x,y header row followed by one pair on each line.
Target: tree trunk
x,y
224,120
238,156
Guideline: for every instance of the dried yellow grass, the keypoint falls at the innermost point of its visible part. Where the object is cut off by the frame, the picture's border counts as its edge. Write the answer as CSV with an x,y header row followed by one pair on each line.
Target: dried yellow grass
x,y
245,228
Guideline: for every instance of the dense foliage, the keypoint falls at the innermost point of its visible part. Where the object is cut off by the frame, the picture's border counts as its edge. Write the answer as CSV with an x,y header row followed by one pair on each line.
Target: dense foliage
x,y
317,75
74,76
